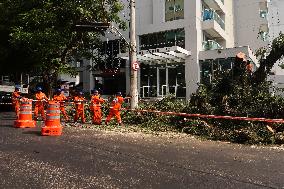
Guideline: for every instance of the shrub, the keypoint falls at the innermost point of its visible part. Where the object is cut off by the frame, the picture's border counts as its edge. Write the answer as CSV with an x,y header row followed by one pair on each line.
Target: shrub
x,y
227,95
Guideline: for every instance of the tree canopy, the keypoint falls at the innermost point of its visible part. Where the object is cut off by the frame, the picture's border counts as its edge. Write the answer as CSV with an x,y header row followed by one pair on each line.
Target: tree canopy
x,y
268,57
40,33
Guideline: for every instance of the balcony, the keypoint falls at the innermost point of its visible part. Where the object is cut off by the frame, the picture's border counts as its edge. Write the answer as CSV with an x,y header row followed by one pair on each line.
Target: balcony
x,y
211,45
210,14
213,24
217,5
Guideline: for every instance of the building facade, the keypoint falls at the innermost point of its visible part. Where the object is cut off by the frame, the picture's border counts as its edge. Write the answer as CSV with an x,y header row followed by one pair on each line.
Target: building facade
x,y
181,42
276,25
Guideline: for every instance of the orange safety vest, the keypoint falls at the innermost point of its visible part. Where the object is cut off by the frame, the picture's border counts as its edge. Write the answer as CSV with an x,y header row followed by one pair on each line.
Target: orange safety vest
x,y
116,103
40,96
96,101
60,98
15,97
79,102
249,68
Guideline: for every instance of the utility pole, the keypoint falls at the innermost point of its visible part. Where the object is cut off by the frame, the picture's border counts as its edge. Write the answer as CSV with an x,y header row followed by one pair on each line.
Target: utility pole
x,y
133,58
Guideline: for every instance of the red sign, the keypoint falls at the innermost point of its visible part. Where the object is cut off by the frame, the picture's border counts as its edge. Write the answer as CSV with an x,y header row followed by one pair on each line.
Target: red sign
x,y
135,66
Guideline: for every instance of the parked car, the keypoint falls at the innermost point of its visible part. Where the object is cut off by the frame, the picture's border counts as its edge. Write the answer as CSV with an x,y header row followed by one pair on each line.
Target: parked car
x,y
5,101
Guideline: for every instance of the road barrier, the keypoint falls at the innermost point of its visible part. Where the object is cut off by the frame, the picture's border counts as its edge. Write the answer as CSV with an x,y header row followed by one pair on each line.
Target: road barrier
x,y
52,123
267,120
210,116
25,119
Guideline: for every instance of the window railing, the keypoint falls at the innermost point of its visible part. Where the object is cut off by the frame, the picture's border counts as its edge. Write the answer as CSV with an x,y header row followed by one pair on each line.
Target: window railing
x,y
263,13
210,14
263,35
211,45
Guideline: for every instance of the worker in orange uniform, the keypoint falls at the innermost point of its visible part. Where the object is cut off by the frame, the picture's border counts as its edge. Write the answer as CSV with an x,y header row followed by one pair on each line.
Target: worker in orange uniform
x,y
41,99
115,107
16,95
79,101
249,67
96,102
61,98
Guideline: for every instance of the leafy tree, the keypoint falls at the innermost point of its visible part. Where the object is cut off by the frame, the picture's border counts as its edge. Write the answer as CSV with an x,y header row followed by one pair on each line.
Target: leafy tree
x,y
12,58
44,30
268,57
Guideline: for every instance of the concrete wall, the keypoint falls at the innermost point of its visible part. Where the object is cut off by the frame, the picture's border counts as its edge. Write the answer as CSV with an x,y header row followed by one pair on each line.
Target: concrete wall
x,y
247,23
278,83
227,53
275,18
276,25
193,42
144,11
229,23
145,26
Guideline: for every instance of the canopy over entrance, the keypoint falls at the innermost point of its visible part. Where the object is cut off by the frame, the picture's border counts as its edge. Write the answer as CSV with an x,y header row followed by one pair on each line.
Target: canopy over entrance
x,y
173,54
162,71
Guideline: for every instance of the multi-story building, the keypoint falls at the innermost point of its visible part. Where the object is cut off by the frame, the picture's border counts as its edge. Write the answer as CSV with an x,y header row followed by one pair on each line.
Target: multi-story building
x,y
183,42
276,25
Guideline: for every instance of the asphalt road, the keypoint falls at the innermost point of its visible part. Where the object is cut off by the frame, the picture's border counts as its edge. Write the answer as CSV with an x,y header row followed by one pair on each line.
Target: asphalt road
x,y
100,158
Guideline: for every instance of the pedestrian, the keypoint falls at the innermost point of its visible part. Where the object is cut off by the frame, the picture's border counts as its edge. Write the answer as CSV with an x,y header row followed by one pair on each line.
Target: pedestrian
x,y
96,102
16,96
61,99
115,108
79,101
41,99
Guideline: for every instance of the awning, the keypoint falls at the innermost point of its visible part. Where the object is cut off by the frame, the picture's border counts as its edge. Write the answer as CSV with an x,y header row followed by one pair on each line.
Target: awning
x,y
173,54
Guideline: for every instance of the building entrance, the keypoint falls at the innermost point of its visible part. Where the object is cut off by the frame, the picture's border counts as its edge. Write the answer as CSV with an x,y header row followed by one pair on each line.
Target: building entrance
x,y
160,80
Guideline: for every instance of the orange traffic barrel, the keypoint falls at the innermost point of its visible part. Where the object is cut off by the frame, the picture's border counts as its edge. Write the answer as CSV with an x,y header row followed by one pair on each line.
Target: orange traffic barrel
x,y
25,119
52,123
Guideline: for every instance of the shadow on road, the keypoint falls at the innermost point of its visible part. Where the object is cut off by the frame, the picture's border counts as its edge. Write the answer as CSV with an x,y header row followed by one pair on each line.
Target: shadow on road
x,y
38,133
10,126
8,118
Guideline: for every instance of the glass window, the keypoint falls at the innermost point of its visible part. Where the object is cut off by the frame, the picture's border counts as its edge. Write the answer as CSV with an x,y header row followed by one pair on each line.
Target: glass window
x,y
170,38
209,68
180,36
263,13
206,72
263,35
153,40
160,79
174,10
181,86
163,39
179,9
112,84
108,54
148,80
143,42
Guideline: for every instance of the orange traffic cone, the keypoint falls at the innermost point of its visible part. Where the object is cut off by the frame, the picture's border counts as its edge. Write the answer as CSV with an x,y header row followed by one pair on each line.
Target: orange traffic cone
x,y
25,119
52,123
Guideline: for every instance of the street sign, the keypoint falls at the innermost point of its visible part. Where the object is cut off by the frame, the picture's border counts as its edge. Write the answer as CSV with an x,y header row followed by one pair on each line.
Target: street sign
x,y
135,66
